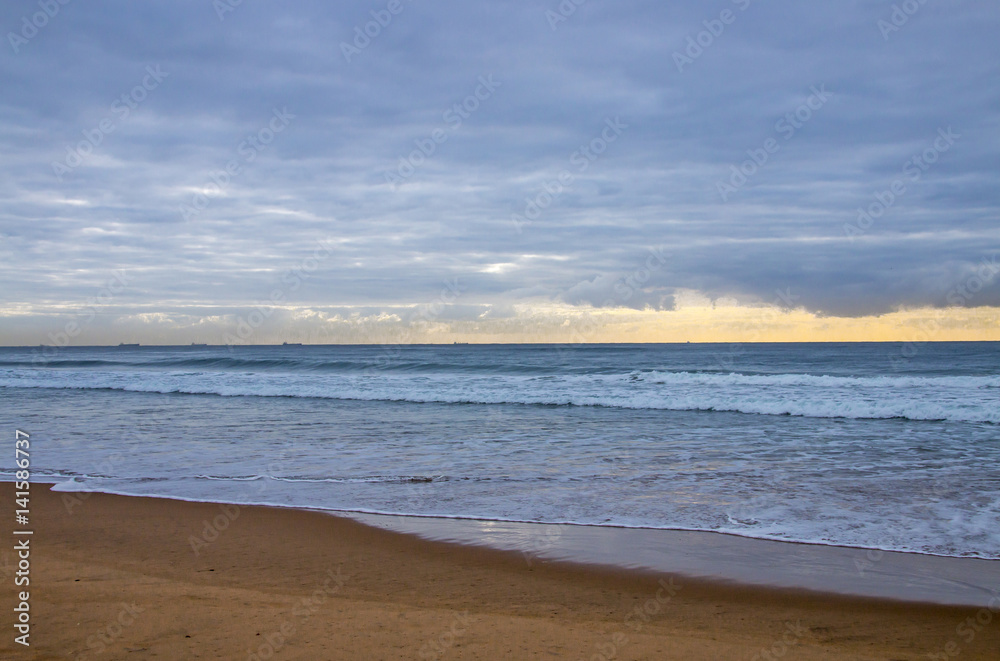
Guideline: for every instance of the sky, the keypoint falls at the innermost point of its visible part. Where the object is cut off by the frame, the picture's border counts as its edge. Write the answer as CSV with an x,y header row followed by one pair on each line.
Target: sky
x,y
401,171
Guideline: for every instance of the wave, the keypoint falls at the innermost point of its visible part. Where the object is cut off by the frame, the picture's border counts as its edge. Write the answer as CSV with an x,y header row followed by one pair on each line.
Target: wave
x,y
214,362
77,482
373,368
372,362
805,533
928,398
826,381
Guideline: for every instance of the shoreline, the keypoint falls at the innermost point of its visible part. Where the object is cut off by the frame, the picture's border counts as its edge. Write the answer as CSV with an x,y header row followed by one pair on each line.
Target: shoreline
x,y
352,513
717,556
725,558
228,581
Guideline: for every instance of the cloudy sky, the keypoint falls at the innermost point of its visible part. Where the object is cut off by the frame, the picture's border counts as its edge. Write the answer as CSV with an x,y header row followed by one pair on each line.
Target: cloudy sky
x,y
400,171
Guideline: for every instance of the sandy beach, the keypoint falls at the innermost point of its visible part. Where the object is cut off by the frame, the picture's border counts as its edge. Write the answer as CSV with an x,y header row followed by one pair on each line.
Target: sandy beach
x,y
136,578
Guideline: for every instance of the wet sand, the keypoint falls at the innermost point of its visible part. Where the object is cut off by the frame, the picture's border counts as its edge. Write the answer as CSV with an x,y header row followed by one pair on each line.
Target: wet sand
x,y
117,577
726,558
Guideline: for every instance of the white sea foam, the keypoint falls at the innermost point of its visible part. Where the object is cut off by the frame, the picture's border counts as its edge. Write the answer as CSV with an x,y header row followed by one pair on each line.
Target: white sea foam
x,y
778,523
953,398
844,454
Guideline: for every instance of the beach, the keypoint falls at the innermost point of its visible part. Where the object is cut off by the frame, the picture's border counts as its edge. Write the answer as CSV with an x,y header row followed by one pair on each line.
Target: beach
x,y
116,577
479,330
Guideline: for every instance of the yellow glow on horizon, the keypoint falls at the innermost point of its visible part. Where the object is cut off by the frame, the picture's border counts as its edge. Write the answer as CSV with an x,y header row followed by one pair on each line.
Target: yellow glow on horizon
x,y
695,319
700,321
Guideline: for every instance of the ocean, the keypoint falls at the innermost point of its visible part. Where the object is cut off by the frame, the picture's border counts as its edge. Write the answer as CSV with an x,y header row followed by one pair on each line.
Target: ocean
x,y
879,445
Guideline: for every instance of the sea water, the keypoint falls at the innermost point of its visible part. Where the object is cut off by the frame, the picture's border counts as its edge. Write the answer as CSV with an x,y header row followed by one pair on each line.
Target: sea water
x,y
883,445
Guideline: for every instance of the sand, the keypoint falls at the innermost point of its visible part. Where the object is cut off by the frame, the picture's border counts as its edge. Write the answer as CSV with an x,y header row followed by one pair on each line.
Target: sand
x,y
117,577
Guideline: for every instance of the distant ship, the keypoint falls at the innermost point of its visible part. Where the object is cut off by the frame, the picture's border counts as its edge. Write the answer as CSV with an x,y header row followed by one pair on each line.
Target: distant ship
x,y
291,344
459,342
123,344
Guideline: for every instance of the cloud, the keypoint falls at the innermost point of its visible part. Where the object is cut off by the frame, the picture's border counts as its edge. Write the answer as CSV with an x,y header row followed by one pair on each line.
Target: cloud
x,y
101,157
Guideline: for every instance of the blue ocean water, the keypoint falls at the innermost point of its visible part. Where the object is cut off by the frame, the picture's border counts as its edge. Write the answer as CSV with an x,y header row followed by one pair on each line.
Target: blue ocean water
x,y
890,446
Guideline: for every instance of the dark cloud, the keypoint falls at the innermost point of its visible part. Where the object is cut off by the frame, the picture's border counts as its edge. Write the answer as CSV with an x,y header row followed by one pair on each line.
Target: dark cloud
x,y
480,110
